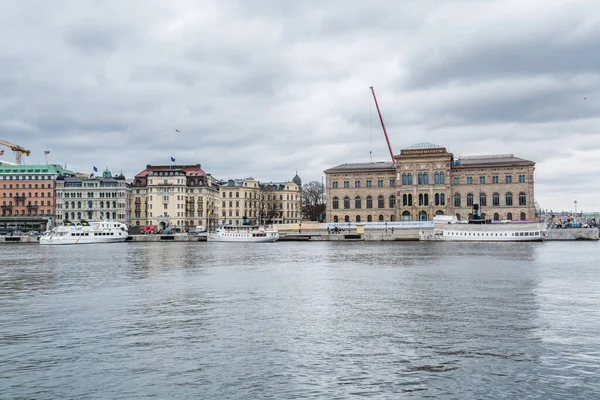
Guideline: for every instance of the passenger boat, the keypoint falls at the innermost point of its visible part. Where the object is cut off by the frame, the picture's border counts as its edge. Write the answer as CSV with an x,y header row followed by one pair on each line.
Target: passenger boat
x,y
243,234
85,232
448,228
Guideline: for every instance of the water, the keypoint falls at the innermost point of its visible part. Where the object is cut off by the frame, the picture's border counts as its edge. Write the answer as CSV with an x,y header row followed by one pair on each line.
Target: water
x,y
300,320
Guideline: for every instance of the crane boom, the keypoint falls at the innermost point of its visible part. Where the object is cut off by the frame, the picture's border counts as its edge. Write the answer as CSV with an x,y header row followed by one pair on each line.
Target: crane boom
x,y
17,149
383,126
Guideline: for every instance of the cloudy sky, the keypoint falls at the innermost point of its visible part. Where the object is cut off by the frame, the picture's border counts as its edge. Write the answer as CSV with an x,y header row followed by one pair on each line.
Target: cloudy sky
x,y
268,88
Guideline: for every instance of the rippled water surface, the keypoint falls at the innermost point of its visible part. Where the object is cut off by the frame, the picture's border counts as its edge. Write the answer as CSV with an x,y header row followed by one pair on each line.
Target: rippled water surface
x,y
300,320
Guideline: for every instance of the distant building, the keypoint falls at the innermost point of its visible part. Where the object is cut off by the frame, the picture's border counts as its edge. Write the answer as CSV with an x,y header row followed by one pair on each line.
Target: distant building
x,y
248,201
427,180
182,196
27,195
93,198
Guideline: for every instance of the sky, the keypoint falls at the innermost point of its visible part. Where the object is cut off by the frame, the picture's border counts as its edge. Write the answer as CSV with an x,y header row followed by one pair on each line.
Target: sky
x,y
268,88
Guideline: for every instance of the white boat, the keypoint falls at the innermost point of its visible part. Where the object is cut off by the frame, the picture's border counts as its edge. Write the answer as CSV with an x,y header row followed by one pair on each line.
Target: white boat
x,y
243,234
85,232
448,228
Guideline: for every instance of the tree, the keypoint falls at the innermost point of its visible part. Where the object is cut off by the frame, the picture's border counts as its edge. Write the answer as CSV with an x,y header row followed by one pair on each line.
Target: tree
x,y
313,200
269,207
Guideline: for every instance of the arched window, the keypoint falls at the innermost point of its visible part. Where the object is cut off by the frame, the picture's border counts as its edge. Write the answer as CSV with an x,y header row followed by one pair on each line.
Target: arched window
x,y
442,178
101,204
523,216
496,199
346,218
442,199
336,203
425,179
404,179
509,199
335,218
72,215
79,204
469,199
426,199
405,216
380,202
346,203
72,204
369,218
436,178
114,204
436,199
369,202
410,201
358,218
439,212
67,204
404,200
409,176
482,200
456,199
357,203
509,216
420,199
392,201
423,215
522,199
78,215
420,178
496,217
392,218
90,204
380,218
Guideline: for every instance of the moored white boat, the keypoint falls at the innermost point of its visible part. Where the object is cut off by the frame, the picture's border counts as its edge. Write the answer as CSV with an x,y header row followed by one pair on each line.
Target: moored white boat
x,y
244,234
85,232
448,228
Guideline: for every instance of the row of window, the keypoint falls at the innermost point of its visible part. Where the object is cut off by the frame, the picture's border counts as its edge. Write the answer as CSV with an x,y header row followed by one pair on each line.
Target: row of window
x,y
9,212
508,199
369,202
369,183
26,177
43,194
380,218
90,204
423,200
439,178
28,203
78,215
495,179
23,186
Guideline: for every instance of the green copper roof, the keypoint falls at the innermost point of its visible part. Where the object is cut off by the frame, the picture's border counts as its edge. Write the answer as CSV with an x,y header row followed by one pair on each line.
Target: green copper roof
x,y
424,145
53,169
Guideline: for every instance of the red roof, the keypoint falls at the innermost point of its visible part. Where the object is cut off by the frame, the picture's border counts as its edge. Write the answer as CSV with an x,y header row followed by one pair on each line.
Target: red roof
x,y
196,170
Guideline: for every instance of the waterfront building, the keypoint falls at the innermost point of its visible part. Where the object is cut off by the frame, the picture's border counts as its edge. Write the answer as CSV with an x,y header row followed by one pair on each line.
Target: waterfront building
x,y
93,198
27,195
182,196
248,201
427,180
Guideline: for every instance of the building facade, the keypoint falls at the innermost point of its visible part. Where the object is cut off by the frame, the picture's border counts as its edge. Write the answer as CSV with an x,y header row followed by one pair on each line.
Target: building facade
x,y
427,180
248,201
182,196
27,195
93,198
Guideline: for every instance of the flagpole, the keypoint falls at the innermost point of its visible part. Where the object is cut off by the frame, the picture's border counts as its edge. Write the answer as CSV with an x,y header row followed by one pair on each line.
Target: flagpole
x,y
46,157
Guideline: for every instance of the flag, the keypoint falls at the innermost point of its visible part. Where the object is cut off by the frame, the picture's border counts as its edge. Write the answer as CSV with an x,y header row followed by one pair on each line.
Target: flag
x,y
95,169
172,159
46,152
1,152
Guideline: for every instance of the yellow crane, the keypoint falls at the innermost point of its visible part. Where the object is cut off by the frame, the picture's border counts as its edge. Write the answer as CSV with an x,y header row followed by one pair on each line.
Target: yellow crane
x,y
17,149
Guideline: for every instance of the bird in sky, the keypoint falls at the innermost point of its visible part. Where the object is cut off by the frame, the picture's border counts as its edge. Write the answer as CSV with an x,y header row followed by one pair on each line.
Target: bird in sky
x,y
585,98
176,130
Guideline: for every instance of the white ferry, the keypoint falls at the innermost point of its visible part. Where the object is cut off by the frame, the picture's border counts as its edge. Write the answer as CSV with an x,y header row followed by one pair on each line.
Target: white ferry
x,y
244,234
448,228
85,232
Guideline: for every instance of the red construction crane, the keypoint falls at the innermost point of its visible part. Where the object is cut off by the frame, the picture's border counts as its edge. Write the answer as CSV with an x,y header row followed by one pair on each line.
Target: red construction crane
x,y
383,126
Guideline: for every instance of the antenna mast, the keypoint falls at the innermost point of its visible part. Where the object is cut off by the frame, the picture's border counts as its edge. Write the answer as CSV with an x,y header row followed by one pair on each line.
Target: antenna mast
x,y
383,126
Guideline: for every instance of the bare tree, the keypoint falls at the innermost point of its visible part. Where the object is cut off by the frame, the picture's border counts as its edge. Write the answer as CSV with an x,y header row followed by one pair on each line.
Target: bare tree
x,y
313,200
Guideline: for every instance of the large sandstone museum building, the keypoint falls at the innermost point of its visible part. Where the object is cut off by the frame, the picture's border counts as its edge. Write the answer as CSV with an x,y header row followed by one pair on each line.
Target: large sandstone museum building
x,y
426,180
